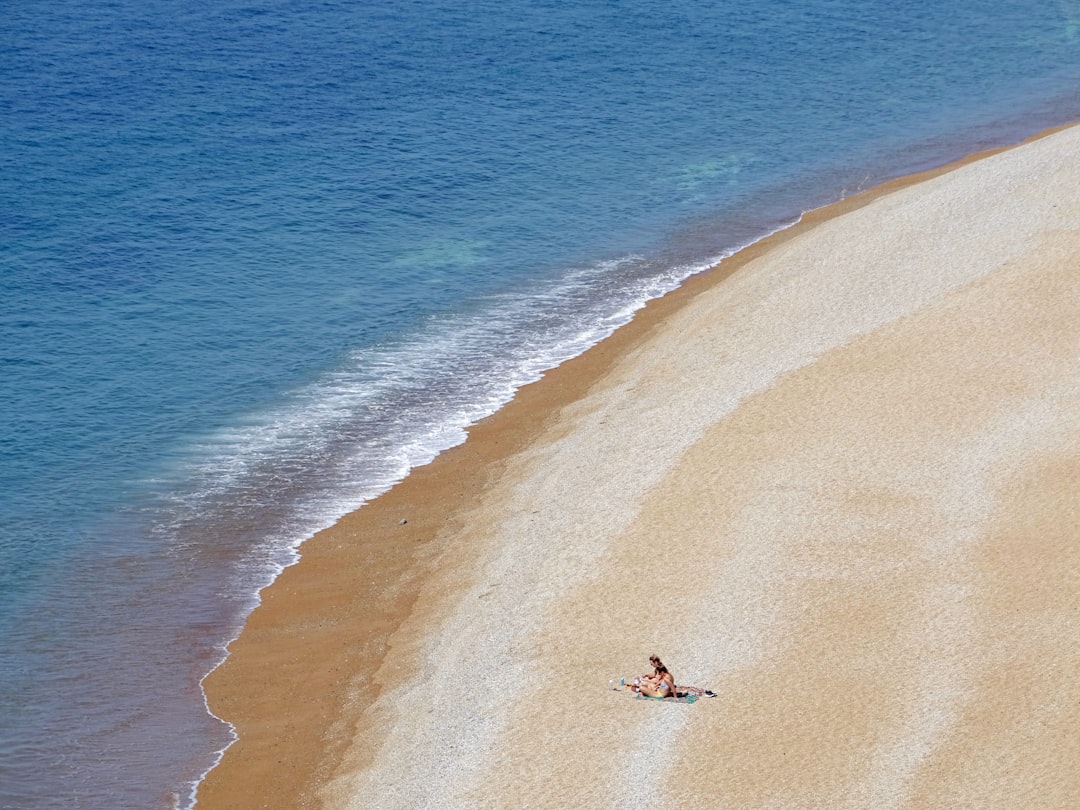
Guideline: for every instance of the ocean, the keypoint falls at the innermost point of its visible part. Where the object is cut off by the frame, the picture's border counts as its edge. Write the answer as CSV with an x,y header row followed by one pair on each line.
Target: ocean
x,y
260,259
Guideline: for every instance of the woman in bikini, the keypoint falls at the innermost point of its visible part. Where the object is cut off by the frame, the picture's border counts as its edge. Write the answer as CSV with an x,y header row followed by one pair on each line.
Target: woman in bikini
x,y
660,684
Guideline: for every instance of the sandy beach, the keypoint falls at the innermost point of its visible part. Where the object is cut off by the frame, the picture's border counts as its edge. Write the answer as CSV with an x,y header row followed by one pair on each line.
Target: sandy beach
x,y
833,480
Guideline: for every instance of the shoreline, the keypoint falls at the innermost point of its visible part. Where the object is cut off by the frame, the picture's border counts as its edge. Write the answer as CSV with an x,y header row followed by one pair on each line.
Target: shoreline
x,y
309,663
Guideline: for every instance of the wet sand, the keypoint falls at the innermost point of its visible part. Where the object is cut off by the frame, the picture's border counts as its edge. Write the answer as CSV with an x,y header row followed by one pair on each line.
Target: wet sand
x,y
834,480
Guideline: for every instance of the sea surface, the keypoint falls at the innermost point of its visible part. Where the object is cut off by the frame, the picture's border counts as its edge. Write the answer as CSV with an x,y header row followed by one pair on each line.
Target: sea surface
x,y
258,259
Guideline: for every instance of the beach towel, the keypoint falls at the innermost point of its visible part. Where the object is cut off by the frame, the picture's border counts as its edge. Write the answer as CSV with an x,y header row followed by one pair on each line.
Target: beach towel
x,y
683,694
682,698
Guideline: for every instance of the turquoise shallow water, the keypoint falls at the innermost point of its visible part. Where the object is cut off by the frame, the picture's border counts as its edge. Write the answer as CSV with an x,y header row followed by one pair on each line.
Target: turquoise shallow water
x,y
260,259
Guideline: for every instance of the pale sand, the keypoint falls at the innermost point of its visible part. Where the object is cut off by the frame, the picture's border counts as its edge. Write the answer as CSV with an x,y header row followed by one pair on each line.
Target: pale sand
x,y
840,488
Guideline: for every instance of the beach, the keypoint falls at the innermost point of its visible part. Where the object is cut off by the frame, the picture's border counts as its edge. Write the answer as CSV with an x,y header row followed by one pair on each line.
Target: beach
x,y
833,480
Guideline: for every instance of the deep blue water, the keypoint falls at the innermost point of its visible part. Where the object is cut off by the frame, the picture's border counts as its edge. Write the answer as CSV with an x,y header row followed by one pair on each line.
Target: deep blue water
x,y
258,259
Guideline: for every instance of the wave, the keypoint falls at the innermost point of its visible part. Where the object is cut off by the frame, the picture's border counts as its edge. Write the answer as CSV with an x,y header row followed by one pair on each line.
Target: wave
x,y
351,435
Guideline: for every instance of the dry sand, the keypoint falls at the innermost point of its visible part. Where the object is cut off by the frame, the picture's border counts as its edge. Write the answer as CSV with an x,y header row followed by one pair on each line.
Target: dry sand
x,y
839,487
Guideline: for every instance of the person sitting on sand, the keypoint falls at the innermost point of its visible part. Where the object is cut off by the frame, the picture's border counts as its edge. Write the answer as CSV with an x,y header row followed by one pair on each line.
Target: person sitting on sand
x,y
660,684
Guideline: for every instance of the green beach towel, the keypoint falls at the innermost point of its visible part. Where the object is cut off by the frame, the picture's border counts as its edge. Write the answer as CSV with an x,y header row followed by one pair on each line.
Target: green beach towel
x,y
683,694
683,698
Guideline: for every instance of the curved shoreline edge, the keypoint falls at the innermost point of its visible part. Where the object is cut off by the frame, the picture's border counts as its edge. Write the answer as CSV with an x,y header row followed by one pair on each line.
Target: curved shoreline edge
x,y
298,679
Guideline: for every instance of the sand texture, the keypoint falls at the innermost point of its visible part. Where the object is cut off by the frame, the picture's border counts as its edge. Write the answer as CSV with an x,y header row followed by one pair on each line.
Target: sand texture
x,y
841,488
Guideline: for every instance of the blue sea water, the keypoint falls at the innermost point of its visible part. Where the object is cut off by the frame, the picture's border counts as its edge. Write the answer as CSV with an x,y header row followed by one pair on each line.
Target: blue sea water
x,y
258,259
